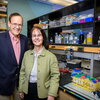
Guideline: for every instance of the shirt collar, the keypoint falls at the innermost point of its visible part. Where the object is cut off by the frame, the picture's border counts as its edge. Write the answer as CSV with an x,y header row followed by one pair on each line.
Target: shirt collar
x,y
39,53
13,37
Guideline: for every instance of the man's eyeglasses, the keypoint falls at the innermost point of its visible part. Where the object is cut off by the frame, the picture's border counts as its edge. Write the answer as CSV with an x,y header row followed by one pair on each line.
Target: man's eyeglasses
x,y
15,24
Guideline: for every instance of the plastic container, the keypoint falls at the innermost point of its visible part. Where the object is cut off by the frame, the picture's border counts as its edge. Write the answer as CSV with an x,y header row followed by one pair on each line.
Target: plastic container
x,y
94,85
56,37
98,83
89,18
76,71
59,38
99,41
51,40
75,19
66,39
82,18
69,20
83,80
76,40
87,82
71,38
99,16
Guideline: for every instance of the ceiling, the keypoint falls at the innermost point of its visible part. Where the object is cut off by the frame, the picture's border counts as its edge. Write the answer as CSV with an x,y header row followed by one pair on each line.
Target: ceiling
x,y
59,2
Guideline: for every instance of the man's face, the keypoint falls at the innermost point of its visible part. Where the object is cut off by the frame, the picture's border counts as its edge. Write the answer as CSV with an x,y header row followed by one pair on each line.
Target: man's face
x,y
16,25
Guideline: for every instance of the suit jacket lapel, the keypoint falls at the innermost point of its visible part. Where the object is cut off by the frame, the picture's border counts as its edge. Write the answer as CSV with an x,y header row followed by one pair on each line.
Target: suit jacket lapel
x,y
21,48
10,48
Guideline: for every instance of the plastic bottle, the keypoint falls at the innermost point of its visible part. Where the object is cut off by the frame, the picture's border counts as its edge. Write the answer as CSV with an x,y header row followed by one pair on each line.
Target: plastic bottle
x,y
71,38
81,38
99,41
89,38
56,37
40,22
66,39
76,71
94,85
87,82
98,83
77,79
59,38
51,40
68,55
76,41
82,80
62,39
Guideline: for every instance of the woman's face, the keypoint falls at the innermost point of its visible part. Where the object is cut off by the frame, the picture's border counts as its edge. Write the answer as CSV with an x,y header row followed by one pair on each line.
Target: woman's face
x,y
37,38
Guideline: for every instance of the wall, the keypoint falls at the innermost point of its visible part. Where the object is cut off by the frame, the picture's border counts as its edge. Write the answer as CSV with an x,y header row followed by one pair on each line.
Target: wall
x,y
29,9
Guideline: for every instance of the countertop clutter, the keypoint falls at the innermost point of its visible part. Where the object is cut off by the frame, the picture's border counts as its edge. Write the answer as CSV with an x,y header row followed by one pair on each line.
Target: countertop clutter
x,y
67,85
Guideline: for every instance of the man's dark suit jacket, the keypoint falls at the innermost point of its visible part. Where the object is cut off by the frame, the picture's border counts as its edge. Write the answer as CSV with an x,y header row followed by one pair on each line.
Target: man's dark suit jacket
x,y
9,68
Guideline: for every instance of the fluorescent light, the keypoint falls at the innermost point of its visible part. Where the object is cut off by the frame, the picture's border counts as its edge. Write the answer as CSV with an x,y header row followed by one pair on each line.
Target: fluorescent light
x,y
63,2
73,1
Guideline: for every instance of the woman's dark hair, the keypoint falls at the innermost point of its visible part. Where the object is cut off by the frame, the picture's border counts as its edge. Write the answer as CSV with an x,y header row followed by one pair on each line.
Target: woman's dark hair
x,y
45,42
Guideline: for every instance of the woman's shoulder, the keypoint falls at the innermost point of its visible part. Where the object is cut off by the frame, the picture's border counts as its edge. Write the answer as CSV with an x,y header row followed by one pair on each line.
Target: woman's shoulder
x,y
49,53
29,52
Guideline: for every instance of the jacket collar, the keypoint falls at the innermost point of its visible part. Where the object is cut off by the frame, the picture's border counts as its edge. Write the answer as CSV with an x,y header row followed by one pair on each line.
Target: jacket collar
x,y
42,53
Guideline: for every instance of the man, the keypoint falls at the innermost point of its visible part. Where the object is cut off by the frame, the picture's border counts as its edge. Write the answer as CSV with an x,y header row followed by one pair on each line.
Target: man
x,y
12,48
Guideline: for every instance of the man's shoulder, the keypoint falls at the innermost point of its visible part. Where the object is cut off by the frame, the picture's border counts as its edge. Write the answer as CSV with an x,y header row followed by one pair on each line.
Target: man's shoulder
x,y
22,35
3,34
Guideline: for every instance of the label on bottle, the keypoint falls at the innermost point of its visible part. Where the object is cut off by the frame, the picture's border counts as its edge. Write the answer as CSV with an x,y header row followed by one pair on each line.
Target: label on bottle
x,y
89,40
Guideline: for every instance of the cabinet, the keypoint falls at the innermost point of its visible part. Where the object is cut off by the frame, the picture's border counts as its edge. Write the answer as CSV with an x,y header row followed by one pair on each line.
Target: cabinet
x,y
3,16
64,21
83,16
60,22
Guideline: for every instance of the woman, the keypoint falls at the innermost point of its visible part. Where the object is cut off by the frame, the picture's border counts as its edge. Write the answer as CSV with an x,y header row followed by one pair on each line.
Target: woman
x,y
39,74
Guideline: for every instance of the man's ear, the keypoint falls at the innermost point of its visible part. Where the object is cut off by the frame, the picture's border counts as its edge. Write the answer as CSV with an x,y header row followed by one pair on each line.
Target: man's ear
x,y
8,24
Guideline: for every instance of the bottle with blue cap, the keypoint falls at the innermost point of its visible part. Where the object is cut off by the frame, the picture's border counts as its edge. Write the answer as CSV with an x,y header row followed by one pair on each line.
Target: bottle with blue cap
x,y
81,38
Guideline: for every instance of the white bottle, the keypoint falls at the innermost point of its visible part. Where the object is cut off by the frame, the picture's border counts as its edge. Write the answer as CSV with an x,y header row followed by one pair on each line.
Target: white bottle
x,y
66,41
59,39
71,38
99,41
56,37
51,40
75,41
89,38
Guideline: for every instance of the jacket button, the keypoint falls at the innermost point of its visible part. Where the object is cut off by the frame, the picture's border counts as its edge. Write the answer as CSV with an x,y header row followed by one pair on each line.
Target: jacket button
x,y
38,70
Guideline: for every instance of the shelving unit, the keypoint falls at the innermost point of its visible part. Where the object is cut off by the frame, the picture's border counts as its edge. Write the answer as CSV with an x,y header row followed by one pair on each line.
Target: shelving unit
x,y
94,68
84,51
85,7
3,16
